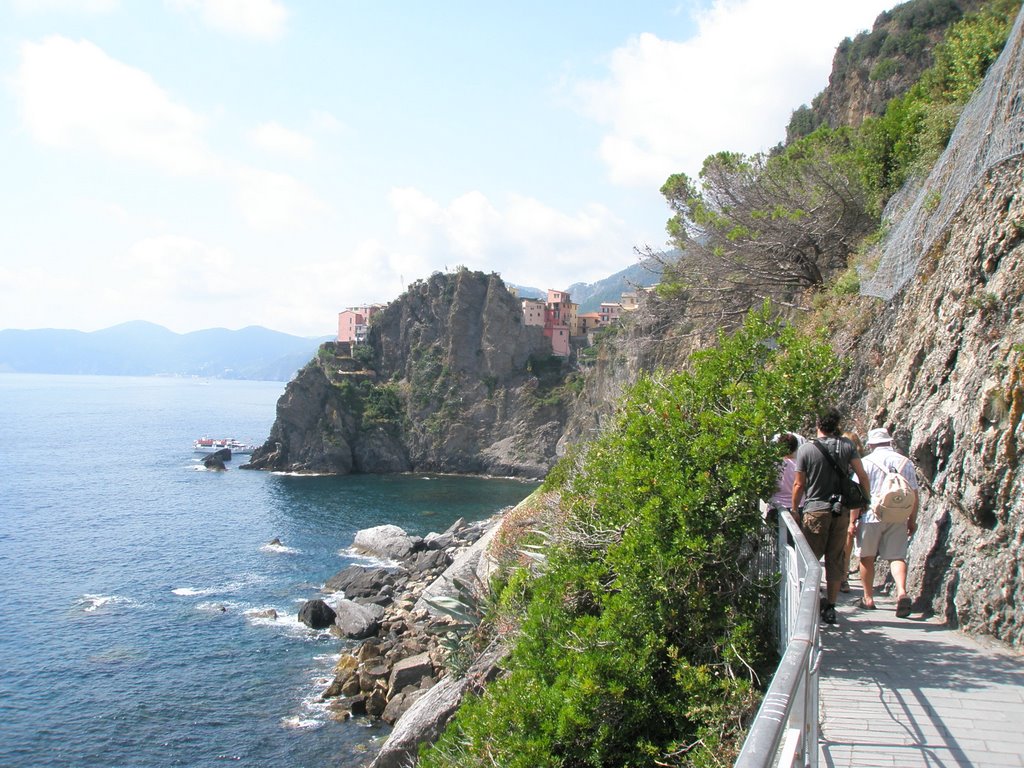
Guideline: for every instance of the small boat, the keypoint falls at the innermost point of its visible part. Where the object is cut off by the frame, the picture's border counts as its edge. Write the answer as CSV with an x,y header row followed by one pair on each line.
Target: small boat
x,y
214,444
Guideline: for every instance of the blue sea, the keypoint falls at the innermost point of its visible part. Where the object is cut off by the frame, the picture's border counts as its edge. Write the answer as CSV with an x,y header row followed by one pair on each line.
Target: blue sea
x,y
132,578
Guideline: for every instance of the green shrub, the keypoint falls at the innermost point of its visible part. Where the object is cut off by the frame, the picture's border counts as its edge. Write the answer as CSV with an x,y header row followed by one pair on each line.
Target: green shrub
x,y
641,636
363,353
382,406
915,128
847,284
884,69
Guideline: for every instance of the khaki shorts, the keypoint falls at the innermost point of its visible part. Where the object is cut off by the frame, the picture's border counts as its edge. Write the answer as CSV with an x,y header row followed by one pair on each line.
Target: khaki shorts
x,y
885,540
826,535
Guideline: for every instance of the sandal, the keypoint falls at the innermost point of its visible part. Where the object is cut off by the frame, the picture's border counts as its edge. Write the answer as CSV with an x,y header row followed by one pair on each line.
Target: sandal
x,y
903,607
844,586
865,606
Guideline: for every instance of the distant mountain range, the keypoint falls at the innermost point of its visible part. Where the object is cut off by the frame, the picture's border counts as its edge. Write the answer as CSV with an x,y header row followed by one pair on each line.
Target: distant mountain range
x,y
145,349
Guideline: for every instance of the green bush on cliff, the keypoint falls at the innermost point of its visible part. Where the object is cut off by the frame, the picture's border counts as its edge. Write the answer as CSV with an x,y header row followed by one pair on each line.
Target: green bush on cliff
x,y
915,128
645,639
382,406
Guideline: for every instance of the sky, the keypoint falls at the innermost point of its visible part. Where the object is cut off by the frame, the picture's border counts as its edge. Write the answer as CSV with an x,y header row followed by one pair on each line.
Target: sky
x,y
226,163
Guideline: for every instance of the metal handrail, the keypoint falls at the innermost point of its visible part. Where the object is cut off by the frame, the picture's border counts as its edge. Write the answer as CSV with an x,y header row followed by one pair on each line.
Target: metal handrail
x,y
785,731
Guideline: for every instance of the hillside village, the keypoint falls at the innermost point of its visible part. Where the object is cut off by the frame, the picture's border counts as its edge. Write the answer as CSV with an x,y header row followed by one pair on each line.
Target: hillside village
x,y
564,326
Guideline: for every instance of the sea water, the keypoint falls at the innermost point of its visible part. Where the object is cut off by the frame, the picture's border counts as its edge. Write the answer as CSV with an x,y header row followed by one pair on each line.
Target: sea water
x,y
137,585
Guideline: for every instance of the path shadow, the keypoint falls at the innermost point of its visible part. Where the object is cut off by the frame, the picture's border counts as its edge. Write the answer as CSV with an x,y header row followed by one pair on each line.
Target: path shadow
x,y
895,662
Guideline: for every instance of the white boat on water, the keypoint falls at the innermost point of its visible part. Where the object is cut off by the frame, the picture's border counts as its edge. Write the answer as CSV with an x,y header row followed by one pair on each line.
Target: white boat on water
x,y
214,444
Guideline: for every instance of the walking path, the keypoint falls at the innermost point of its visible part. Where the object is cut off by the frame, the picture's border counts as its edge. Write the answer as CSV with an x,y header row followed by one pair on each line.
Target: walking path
x,y
909,692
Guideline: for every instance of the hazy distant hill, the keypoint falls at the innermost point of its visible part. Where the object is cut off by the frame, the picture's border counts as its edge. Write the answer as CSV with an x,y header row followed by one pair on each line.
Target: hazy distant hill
x,y
144,349
590,295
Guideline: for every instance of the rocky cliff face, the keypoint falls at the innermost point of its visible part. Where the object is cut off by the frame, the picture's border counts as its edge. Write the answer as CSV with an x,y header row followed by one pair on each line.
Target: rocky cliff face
x,y
876,66
648,339
456,383
943,367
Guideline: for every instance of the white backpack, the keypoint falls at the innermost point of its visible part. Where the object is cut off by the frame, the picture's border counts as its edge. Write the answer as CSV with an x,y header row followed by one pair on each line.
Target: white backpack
x,y
894,500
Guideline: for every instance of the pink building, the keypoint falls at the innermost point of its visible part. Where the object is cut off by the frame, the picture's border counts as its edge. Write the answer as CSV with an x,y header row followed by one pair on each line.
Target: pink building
x,y
559,321
354,321
559,335
561,308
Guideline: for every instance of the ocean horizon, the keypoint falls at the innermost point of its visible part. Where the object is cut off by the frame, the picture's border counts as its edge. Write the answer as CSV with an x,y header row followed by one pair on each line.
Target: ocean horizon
x,y
140,586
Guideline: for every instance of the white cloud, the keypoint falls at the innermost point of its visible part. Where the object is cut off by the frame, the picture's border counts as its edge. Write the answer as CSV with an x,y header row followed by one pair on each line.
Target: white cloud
x,y
326,122
668,104
255,19
274,201
72,6
274,137
173,270
537,243
170,280
72,94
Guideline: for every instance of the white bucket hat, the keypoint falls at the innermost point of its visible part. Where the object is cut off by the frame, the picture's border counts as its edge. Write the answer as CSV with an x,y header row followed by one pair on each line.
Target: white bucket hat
x,y
879,436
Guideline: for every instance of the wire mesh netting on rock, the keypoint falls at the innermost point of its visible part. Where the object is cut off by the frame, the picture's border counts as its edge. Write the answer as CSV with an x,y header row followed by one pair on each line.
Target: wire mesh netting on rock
x,y
990,131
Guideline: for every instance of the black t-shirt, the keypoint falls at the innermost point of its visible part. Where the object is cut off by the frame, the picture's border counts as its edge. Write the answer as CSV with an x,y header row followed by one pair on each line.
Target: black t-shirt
x,y
821,480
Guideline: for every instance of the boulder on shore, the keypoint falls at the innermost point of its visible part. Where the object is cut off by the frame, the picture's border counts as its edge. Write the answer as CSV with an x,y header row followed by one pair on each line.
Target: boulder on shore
x,y
409,671
362,581
316,614
356,621
387,541
430,712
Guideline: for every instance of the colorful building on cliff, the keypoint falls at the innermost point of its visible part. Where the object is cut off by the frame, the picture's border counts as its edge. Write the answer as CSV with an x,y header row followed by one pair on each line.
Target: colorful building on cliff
x,y
533,311
610,311
354,322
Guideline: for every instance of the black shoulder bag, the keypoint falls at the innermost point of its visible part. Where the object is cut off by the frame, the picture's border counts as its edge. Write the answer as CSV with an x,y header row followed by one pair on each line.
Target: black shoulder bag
x,y
852,495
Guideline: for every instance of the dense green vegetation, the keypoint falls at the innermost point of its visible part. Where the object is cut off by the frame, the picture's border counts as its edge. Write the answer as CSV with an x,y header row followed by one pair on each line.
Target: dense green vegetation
x,y
901,31
916,127
644,638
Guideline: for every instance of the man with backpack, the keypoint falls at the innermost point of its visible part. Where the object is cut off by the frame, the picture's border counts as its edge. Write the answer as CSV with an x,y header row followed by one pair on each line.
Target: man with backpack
x,y
822,485
887,524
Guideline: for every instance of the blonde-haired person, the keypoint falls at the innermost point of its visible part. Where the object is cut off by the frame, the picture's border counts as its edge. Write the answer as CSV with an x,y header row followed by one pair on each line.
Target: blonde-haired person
x,y
854,516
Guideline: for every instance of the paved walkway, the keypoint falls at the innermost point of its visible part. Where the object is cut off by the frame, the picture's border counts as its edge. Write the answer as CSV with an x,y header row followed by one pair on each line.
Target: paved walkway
x,y
909,692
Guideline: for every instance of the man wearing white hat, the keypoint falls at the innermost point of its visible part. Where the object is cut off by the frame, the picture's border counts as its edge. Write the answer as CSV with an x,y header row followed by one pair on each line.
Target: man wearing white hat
x,y
885,527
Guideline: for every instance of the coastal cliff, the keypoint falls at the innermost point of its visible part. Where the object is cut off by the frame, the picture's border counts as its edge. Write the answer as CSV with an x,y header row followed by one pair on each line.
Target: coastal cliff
x,y
449,380
942,366
878,65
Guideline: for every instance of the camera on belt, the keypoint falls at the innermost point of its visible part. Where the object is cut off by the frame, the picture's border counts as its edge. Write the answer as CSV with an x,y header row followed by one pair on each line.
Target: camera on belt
x,y
837,504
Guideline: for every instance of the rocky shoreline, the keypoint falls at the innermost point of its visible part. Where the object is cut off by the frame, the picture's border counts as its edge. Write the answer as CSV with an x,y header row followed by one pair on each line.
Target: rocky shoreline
x,y
399,672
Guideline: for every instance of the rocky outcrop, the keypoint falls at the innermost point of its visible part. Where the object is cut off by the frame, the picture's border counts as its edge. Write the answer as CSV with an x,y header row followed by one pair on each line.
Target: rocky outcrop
x,y
942,367
648,339
319,425
387,541
401,661
876,66
453,386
